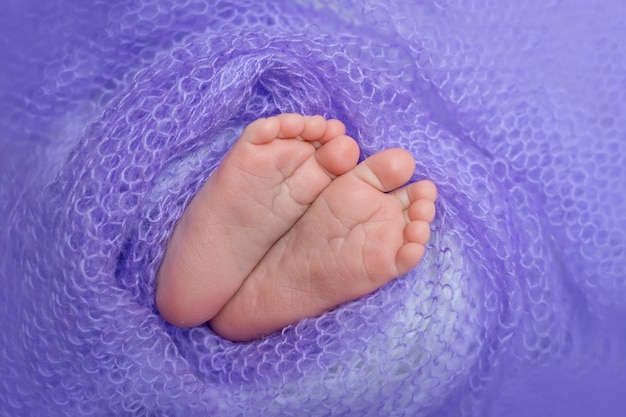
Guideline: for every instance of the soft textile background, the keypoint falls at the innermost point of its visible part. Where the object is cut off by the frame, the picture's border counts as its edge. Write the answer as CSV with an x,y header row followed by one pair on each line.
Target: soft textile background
x,y
112,113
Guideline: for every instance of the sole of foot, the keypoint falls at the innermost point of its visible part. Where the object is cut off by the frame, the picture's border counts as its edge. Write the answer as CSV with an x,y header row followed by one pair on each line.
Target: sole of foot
x,y
264,185
365,229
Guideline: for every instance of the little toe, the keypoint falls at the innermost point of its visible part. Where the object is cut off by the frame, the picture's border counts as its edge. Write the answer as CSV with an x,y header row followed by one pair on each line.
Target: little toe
x,y
261,131
422,210
417,232
408,257
386,170
339,155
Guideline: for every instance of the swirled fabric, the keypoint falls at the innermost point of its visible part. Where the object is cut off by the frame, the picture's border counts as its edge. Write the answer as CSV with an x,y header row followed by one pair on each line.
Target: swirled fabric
x,y
113,113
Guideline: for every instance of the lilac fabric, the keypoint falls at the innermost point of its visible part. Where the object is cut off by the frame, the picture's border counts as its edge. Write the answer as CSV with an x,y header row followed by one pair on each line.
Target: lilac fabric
x,y
113,113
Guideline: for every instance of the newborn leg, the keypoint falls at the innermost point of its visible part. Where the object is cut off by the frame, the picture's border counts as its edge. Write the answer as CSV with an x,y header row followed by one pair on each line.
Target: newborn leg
x,y
265,183
361,232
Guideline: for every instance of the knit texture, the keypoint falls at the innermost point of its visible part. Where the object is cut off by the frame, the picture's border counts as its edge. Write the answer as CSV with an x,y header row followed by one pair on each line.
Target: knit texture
x,y
113,113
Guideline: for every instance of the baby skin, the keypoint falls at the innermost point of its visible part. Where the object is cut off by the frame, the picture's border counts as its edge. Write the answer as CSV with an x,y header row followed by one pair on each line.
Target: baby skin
x,y
289,226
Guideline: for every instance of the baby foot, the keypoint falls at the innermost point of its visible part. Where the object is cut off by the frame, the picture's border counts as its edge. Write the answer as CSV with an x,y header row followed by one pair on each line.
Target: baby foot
x,y
265,183
361,232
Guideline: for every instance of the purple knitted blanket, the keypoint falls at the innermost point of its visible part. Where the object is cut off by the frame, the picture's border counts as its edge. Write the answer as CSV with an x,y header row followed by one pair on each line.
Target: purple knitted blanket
x,y
113,113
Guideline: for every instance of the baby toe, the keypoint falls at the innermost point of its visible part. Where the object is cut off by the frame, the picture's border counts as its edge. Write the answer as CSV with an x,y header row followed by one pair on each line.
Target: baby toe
x,y
261,131
408,257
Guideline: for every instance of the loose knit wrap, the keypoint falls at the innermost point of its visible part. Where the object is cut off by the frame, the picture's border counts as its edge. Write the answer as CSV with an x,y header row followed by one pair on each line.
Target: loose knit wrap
x,y
113,114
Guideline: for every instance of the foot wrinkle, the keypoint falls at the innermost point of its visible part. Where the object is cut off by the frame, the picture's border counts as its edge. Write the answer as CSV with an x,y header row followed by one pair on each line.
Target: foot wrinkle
x,y
311,240
263,187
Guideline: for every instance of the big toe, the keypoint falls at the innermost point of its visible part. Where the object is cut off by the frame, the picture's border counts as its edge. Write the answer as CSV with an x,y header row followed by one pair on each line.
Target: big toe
x,y
338,155
386,170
